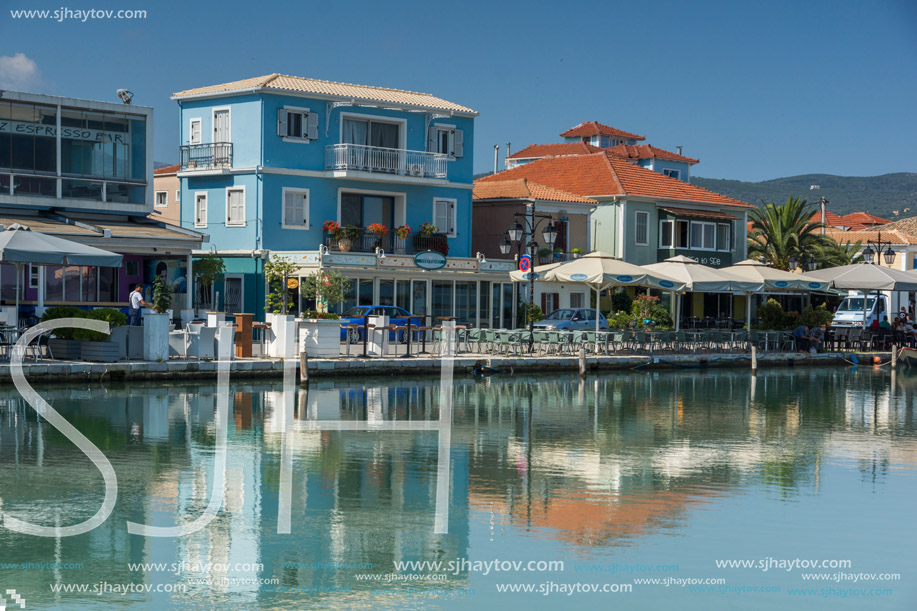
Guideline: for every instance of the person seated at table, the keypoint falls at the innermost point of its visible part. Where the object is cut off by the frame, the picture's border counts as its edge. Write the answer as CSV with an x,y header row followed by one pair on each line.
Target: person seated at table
x,y
804,340
874,325
885,324
818,335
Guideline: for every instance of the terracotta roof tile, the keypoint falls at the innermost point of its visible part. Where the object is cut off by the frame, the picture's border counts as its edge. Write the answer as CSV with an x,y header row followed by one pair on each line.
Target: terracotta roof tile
x,y
707,214
865,219
831,219
594,128
648,151
537,151
893,236
524,189
601,174
906,225
169,169
282,82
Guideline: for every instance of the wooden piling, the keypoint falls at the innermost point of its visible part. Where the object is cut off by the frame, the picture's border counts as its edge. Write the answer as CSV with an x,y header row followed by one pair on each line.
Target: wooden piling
x,y
754,358
582,361
303,369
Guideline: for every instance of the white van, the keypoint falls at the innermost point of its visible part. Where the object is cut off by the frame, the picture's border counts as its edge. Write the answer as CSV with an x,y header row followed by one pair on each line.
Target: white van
x,y
850,312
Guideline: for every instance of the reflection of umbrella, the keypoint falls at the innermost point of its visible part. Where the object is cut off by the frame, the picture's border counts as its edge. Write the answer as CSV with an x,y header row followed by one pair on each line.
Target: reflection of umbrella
x,y
603,271
776,280
703,279
19,244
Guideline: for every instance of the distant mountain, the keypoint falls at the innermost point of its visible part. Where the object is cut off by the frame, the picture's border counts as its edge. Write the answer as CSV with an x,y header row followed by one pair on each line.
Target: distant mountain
x,y
160,164
880,195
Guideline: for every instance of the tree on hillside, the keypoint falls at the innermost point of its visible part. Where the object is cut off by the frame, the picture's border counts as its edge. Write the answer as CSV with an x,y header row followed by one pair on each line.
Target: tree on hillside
x,y
778,232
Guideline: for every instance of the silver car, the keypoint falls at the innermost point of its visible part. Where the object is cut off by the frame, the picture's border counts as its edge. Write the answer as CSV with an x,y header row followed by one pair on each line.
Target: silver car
x,y
572,318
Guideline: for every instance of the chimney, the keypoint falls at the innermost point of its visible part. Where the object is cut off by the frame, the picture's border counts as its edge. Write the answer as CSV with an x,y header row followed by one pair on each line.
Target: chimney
x,y
508,153
678,149
496,156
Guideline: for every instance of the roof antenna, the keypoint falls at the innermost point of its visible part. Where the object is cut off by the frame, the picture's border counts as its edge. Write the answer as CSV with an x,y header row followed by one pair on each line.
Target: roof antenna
x,y
125,95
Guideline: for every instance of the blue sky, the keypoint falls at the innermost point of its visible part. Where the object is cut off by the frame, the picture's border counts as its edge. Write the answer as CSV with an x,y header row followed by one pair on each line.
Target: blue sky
x,y
756,90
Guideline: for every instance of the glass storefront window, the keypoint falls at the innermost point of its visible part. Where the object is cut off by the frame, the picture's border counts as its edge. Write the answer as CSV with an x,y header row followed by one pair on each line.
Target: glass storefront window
x,y
81,189
72,283
33,185
387,292
108,284
495,306
350,297
365,292
484,310
54,283
27,137
419,298
89,283
8,283
442,299
466,302
125,193
4,184
508,305
403,294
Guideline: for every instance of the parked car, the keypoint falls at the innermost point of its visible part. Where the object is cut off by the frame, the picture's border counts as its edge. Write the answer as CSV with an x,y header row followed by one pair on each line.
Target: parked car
x,y
397,316
572,318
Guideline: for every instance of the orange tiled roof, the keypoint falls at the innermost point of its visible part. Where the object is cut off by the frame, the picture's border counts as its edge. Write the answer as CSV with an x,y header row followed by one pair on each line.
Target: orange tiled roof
x,y
865,219
707,214
893,236
594,128
524,189
602,174
831,219
282,82
648,151
536,151
169,169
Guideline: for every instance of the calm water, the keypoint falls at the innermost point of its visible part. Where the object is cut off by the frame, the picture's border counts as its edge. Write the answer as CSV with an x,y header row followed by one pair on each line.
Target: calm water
x,y
621,478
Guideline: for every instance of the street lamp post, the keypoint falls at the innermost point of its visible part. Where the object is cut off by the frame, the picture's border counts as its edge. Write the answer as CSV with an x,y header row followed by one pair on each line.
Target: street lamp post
x,y
516,233
888,254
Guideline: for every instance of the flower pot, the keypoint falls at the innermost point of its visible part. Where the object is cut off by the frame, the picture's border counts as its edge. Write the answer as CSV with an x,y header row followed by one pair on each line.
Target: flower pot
x,y
100,352
65,349
320,338
344,244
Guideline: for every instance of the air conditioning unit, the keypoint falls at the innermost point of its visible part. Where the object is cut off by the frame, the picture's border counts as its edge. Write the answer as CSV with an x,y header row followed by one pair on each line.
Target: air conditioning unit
x,y
415,169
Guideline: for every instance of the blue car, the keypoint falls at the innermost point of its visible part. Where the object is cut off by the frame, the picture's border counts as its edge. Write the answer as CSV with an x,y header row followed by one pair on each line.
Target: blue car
x,y
397,316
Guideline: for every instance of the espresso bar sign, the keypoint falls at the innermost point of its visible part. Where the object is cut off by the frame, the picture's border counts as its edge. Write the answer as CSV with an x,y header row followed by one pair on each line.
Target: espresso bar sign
x,y
68,133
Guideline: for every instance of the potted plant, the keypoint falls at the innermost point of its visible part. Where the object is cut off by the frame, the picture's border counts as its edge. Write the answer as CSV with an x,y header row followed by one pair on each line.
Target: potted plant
x,y
377,229
100,347
558,253
319,330
156,325
429,238
545,255
207,270
279,272
577,253
64,344
403,232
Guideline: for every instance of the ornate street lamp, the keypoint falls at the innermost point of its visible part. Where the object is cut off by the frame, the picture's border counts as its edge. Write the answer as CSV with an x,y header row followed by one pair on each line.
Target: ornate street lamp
x,y
505,245
516,233
888,254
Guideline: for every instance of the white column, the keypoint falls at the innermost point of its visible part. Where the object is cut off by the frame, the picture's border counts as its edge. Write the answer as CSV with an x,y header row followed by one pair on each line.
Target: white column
x,y
40,308
189,285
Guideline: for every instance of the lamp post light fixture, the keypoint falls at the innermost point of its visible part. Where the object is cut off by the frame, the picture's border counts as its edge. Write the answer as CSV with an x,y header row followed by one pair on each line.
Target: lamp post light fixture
x,y
516,233
888,254
809,263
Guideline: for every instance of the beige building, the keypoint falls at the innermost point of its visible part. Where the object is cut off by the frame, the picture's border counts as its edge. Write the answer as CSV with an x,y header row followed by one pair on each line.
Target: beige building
x,y
167,195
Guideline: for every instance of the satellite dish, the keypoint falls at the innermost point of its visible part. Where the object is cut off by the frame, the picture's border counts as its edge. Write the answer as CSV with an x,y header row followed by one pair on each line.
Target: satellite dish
x,y
125,95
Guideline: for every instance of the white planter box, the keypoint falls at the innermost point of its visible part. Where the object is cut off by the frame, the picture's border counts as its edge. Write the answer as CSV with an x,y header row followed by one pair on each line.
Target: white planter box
x,y
156,337
320,338
100,352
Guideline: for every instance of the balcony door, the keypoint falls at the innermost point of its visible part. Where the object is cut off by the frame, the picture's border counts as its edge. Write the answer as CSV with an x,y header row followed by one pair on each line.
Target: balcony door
x,y
364,210
368,132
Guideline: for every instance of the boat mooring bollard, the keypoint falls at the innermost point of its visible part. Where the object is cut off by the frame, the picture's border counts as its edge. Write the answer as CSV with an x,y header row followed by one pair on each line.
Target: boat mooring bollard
x,y
894,357
303,369
582,361
754,358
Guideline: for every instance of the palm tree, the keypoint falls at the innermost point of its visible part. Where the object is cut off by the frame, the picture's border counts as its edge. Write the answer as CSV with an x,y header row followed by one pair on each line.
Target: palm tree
x,y
835,254
778,232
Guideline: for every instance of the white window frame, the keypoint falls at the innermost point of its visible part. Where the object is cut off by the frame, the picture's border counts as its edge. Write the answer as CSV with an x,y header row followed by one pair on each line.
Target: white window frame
x,y
156,199
177,196
33,276
305,112
646,225
402,126
454,202
581,296
206,206
728,227
244,205
213,122
670,222
283,207
399,197
200,130
450,129
672,173
703,231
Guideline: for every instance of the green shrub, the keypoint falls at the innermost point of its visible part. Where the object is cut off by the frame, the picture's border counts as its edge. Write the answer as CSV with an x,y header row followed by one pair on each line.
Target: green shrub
x,y
114,318
621,301
816,317
620,320
162,295
537,314
771,317
320,315
57,312
647,308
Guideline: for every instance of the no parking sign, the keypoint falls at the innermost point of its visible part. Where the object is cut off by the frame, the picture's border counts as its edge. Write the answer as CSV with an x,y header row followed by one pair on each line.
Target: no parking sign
x,y
525,263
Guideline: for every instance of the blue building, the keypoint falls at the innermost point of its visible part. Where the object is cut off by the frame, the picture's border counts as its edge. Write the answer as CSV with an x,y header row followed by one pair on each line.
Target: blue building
x,y
269,163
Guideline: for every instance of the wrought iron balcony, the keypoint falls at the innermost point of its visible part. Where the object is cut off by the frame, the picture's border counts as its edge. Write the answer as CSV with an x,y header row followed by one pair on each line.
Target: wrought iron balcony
x,y
367,241
385,161
213,156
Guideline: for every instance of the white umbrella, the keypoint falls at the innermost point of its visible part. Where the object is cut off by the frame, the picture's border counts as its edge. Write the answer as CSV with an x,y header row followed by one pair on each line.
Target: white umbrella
x,y
703,279
867,277
775,280
19,244
602,271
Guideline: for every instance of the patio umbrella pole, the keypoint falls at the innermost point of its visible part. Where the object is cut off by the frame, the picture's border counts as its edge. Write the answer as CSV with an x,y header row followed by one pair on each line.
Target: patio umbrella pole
x,y
677,299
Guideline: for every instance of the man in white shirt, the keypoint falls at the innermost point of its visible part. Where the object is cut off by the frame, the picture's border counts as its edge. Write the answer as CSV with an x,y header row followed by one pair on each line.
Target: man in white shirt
x,y
136,299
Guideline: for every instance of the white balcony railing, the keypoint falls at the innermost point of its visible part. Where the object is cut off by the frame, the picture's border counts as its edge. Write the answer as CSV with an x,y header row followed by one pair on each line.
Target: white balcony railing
x,y
388,161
